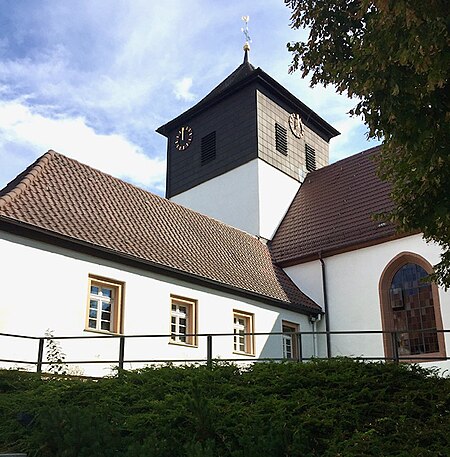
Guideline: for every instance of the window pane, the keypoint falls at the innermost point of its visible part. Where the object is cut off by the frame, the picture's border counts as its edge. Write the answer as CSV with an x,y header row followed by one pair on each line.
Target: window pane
x,y
106,316
106,292
105,325
242,343
93,304
92,323
93,313
94,290
106,306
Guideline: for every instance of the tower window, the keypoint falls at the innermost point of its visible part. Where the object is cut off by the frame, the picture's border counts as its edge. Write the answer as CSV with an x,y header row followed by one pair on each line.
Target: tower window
x,y
208,146
310,154
280,139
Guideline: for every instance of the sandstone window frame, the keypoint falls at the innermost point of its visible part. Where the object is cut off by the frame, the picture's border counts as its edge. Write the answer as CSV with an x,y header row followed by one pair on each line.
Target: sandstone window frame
x,y
104,307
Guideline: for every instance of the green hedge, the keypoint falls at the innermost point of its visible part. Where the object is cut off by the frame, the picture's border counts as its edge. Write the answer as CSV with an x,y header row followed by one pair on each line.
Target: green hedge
x,y
330,408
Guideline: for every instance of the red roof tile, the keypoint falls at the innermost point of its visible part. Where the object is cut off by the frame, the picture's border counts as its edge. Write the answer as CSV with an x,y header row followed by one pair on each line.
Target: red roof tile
x,y
333,211
65,197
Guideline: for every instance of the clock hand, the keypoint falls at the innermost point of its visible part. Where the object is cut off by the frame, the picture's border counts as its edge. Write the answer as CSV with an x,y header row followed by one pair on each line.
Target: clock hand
x,y
182,133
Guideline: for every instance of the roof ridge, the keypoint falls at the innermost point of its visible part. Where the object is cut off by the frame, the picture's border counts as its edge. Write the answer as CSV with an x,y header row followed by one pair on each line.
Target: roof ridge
x,y
22,181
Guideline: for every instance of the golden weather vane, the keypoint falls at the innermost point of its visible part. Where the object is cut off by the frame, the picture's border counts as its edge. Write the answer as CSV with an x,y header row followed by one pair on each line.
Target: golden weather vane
x,y
244,30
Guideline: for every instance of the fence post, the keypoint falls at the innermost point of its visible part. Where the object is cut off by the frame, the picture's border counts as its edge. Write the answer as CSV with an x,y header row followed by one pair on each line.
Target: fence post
x,y
121,351
40,355
300,349
209,351
395,355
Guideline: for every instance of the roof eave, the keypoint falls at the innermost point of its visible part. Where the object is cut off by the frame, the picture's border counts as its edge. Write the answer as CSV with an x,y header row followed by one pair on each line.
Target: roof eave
x,y
24,229
334,250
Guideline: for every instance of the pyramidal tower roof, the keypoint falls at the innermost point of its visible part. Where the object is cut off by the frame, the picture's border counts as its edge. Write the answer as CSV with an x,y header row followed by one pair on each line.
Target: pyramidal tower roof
x,y
240,74
245,74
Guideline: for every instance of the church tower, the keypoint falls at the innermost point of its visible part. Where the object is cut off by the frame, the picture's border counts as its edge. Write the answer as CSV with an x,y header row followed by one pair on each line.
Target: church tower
x,y
240,154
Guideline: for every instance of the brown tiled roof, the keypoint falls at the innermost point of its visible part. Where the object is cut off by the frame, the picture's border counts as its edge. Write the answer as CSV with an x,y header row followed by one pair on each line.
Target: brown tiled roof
x,y
65,197
332,211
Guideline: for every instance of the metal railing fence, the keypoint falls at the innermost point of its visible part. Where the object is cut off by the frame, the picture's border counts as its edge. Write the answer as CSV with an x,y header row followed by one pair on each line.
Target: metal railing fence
x,y
393,338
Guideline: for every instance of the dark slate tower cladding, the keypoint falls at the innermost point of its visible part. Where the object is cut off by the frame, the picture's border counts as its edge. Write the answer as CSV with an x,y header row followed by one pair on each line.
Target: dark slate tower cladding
x,y
247,145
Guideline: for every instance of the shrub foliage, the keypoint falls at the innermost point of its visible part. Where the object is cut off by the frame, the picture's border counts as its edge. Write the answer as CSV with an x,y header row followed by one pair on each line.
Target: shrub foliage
x,y
323,408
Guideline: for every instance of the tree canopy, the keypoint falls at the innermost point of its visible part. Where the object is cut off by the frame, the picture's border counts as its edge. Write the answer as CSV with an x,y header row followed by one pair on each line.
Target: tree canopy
x,y
393,56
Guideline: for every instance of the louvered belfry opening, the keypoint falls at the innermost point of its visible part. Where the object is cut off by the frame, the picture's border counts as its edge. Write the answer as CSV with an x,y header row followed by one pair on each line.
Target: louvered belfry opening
x,y
208,147
310,154
280,139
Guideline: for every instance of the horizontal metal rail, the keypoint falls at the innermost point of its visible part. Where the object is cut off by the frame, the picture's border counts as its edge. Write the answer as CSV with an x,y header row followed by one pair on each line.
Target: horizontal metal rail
x,y
39,363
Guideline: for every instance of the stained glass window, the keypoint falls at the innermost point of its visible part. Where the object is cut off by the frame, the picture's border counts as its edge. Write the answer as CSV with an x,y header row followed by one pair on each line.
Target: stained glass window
x,y
411,302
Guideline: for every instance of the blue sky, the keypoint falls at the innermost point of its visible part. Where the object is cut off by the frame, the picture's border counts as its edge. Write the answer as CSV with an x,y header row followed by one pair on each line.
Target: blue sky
x,y
93,79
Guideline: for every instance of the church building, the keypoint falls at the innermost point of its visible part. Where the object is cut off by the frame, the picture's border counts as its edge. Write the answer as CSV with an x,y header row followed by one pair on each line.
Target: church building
x,y
260,242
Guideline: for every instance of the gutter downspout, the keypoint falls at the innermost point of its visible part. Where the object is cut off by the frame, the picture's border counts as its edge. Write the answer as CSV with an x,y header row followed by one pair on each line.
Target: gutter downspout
x,y
325,305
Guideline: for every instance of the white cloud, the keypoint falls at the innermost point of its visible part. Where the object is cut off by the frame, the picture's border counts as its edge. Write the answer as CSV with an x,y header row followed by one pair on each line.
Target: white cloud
x,y
122,69
111,153
182,90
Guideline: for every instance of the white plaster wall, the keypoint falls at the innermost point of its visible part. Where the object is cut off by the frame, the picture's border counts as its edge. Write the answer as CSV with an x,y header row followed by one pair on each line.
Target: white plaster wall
x,y
276,192
253,197
353,296
309,277
231,198
44,287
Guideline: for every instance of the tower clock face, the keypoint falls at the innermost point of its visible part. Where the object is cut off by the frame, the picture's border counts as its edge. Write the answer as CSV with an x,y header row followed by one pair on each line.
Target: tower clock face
x,y
296,125
183,138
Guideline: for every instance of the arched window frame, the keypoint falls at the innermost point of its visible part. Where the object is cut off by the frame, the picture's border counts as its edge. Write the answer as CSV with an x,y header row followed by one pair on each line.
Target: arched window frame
x,y
386,314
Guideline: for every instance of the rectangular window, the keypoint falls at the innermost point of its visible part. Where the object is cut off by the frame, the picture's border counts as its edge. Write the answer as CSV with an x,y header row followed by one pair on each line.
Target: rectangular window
x,y
208,148
104,310
310,154
242,329
183,324
280,139
290,340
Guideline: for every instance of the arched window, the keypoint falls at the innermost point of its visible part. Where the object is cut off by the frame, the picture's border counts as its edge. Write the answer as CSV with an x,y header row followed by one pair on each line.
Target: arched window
x,y
410,307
